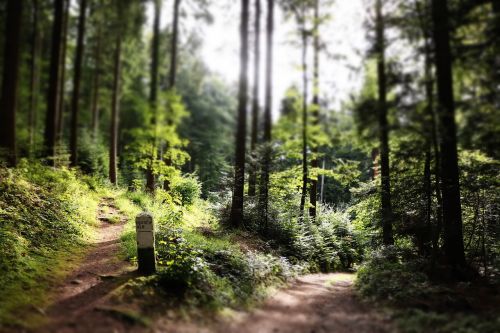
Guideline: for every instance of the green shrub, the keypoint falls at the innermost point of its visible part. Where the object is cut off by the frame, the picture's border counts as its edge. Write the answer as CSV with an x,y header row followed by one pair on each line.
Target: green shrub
x,y
187,189
393,275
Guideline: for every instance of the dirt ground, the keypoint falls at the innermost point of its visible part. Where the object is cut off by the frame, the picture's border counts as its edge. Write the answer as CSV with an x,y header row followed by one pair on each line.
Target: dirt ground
x,y
81,300
313,303
317,303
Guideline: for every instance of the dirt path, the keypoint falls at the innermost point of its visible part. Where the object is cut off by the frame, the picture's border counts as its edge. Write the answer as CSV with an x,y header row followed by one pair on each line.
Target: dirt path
x,y
318,303
81,301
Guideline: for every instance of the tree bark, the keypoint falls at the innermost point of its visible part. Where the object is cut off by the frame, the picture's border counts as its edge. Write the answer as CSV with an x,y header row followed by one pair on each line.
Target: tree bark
x,y
95,87
62,69
173,70
266,163
252,180
75,101
304,116
153,93
10,84
239,167
175,37
387,214
54,81
115,109
313,193
35,47
452,211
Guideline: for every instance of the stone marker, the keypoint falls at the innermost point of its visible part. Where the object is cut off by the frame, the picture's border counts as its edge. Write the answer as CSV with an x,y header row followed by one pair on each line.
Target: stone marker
x,y
145,243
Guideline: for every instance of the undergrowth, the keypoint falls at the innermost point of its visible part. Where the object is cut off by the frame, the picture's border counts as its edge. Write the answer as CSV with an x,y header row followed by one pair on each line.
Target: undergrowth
x,y
45,217
398,278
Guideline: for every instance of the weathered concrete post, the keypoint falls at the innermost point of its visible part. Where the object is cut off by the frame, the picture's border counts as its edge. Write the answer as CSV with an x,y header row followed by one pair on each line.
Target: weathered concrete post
x,y
145,243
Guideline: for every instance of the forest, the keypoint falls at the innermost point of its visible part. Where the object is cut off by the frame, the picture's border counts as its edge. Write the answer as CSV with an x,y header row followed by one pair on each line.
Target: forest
x,y
250,166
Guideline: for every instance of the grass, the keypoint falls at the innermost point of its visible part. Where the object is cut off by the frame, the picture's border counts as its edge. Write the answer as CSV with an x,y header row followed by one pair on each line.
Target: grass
x,y
46,217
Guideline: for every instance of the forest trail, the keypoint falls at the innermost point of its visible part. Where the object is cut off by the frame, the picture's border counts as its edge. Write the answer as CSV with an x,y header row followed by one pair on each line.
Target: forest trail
x,y
317,303
81,300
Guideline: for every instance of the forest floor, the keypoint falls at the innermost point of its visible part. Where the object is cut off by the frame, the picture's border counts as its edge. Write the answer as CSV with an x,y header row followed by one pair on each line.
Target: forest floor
x,y
85,302
316,303
81,302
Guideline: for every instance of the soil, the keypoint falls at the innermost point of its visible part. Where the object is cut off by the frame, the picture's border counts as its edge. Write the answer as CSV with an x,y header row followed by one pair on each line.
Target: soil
x,y
82,300
317,303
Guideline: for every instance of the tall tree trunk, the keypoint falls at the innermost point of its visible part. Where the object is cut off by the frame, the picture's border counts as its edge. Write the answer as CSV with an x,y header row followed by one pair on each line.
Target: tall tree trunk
x,y
115,109
153,93
53,90
239,167
95,86
10,84
75,101
62,69
304,117
387,214
252,180
426,227
313,193
452,211
266,163
173,71
175,38
35,47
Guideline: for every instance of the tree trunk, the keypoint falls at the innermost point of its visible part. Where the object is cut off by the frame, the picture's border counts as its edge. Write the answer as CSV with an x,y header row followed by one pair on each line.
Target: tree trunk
x,y
173,71
387,214
35,46
10,84
266,163
62,69
452,211
252,180
175,37
313,194
153,93
96,83
304,118
75,101
53,90
115,109
239,167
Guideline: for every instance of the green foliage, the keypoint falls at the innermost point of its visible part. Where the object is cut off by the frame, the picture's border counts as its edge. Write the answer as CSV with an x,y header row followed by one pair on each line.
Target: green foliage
x,y
416,321
44,214
187,189
393,275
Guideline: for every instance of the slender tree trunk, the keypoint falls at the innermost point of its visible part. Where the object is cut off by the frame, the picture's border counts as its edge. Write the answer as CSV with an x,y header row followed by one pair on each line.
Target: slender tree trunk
x,y
266,165
452,211
431,124
305,119
239,167
252,180
10,84
115,110
173,71
35,47
426,228
313,194
322,192
75,101
50,135
62,69
153,93
387,214
175,38
96,84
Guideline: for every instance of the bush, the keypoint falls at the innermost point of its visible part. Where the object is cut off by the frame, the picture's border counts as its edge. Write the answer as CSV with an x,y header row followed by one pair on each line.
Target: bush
x,y
187,189
393,275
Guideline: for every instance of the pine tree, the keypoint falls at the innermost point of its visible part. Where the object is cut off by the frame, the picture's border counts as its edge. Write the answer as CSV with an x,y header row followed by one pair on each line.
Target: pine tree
x,y
239,166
